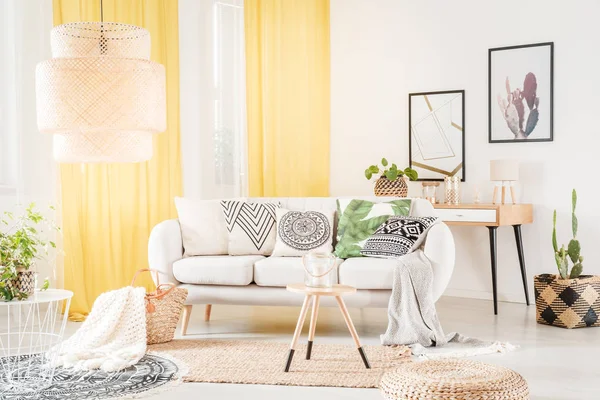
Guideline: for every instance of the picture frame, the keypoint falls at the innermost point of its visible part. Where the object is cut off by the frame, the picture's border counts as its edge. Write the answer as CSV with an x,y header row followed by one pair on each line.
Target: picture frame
x,y
436,126
521,93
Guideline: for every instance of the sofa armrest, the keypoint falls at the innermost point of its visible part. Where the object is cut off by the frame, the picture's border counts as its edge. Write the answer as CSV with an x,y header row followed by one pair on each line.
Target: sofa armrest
x,y
439,249
165,246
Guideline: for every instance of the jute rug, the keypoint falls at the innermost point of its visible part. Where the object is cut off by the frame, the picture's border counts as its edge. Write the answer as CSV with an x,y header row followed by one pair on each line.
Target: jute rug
x,y
262,362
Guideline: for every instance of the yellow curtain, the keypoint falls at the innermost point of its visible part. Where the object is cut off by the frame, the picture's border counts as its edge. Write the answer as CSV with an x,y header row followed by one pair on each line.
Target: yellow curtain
x,y
287,95
108,210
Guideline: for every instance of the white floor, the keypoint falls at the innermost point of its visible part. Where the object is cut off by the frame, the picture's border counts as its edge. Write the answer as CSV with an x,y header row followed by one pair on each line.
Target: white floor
x,y
557,363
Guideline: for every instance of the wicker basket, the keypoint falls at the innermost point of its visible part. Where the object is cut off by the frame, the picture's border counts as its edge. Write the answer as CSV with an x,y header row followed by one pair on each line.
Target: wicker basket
x,y
163,309
567,303
395,188
453,379
25,281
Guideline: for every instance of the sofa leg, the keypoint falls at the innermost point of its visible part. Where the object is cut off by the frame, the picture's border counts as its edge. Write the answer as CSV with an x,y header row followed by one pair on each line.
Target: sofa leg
x,y
207,311
187,311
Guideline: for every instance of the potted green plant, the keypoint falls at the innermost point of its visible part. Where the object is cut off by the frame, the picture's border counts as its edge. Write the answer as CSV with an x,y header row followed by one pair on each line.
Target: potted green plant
x,y
22,242
391,180
569,299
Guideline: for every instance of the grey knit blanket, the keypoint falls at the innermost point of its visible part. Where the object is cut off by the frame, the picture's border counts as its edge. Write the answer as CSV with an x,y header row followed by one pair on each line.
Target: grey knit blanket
x,y
413,320
412,317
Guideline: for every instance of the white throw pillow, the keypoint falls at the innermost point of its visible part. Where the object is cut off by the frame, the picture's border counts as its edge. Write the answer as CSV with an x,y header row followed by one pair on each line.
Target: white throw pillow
x,y
300,232
251,227
203,227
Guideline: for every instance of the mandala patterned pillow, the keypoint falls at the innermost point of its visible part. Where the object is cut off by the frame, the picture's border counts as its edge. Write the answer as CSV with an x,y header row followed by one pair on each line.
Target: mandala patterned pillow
x,y
398,236
359,219
251,227
300,232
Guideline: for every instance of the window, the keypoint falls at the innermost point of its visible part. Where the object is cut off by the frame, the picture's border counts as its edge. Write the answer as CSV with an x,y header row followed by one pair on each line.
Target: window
x,y
213,98
229,73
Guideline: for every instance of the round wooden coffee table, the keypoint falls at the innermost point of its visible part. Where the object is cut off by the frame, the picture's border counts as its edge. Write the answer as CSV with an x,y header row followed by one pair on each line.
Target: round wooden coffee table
x,y
315,294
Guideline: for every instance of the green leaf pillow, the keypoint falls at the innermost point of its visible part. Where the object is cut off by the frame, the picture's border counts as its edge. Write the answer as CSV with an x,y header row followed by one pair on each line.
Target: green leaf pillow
x,y
359,219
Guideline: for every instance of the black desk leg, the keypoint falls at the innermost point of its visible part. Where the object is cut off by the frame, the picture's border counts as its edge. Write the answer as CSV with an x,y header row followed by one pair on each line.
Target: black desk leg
x,y
519,240
493,241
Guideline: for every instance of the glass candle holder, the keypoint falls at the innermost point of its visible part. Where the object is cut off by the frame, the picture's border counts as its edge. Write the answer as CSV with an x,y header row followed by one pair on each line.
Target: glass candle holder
x,y
452,189
319,270
430,191
476,195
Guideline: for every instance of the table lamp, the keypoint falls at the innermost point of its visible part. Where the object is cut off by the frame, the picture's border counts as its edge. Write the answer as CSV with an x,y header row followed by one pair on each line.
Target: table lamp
x,y
504,173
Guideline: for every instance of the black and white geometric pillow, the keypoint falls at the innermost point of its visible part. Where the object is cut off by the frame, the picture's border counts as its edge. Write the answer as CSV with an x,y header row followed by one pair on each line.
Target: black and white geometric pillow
x,y
251,227
299,232
398,236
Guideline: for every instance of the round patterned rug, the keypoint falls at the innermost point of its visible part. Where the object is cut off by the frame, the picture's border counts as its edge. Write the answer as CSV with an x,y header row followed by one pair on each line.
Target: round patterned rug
x,y
150,373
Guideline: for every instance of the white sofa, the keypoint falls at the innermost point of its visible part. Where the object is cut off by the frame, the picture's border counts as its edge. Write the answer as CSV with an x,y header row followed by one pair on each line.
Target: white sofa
x,y
260,280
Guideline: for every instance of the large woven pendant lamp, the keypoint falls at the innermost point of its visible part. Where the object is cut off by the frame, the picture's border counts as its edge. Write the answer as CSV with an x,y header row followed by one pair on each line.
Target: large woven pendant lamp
x,y
100,95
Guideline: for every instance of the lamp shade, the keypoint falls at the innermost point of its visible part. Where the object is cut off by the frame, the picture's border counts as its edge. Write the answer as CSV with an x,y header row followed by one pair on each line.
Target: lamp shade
x,y
504,170
100,94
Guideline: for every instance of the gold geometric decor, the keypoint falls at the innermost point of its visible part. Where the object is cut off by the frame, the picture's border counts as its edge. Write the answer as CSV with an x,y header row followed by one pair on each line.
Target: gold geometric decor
x,y
437,134
100,94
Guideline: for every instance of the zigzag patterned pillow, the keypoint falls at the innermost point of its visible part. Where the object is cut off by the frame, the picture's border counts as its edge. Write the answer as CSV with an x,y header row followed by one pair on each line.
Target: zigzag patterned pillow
x,y
251,227
398,236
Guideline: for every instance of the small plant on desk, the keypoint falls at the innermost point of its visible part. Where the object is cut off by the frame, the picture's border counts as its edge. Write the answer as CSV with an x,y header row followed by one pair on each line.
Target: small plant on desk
x,y
392,172
388,183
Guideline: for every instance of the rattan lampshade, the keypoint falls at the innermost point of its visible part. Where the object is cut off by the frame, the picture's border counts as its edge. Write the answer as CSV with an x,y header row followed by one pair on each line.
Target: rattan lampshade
x,y
100,94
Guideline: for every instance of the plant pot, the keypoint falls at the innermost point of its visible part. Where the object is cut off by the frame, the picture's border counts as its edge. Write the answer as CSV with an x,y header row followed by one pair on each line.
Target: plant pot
x,y
24,282
395,188
567,303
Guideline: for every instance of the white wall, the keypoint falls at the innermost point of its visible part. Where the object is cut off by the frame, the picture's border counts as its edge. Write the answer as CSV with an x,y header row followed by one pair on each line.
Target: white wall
x,y
36,179
381,50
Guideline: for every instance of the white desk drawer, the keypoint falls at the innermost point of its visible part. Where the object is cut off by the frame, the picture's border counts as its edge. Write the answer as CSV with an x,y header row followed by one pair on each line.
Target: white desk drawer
x,y
466,215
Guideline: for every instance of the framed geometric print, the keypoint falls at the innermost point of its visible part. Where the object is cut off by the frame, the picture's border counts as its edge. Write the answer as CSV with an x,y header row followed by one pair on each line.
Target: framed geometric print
x,y
437,134
520,93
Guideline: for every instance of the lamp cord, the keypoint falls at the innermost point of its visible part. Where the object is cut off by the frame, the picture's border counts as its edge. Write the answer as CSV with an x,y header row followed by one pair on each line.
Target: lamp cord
x,y
103,41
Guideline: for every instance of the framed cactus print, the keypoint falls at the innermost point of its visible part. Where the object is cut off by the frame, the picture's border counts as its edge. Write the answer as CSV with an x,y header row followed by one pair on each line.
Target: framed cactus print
x,y
520,93
436,123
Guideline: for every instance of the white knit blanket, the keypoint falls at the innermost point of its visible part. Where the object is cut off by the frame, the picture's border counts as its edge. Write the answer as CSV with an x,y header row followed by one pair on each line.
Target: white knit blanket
x,y
113,337
413,319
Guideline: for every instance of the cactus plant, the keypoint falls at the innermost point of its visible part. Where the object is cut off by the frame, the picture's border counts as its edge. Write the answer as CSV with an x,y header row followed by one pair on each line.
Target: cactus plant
x,y
514,111
572,252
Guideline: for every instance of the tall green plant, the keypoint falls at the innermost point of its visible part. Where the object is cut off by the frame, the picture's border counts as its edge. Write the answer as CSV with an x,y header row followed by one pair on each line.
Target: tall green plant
x,y
392,172
573,250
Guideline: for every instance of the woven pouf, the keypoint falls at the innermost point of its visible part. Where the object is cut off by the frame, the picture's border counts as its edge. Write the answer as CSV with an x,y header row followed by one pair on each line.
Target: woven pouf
x,y
453,379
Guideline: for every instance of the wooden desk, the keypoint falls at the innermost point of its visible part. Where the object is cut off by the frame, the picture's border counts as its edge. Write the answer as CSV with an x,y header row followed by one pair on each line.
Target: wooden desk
x,y
492,216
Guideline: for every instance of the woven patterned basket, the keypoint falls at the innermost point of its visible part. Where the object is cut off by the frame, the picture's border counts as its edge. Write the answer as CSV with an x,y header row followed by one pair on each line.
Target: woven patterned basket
x,y
453,379
396,188
24,282
567,303
163,309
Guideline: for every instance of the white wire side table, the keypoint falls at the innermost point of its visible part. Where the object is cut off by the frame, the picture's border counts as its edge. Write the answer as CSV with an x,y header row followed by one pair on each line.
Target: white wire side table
x,y
31,332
